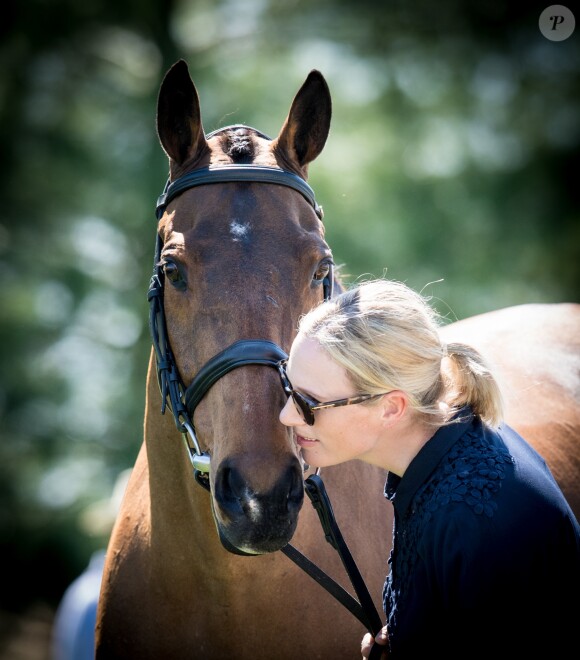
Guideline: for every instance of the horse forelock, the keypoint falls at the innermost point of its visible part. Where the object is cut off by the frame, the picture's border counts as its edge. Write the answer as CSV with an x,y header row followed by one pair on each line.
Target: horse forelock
x,y
240,145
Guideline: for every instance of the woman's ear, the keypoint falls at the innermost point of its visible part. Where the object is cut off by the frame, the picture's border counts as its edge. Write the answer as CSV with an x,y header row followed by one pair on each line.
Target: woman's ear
x,y
395,406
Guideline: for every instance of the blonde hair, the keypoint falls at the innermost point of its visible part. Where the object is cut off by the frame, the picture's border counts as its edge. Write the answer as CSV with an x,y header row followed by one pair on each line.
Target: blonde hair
x,y
386,337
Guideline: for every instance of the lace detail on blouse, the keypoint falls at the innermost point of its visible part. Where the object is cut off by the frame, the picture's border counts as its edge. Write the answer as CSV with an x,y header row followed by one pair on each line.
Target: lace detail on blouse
x,y
472,473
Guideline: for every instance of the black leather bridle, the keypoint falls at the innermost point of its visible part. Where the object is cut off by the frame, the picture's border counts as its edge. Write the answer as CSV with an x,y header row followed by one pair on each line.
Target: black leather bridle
x,y
180,400
183,401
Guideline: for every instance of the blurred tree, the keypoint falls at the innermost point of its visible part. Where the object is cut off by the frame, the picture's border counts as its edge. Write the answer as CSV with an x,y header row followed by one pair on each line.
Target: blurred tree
x,y
455,146
80,164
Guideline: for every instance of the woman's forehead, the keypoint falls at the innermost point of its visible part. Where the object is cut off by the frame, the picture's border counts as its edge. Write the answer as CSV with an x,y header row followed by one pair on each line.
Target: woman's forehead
x,y
306,352
311,370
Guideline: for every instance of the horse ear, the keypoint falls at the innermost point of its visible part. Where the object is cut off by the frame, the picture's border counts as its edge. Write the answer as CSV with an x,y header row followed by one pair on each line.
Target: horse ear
x,y
306,128
179,124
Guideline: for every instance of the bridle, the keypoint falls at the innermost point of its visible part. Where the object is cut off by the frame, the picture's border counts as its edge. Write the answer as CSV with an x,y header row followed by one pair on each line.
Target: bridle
x,y
182,401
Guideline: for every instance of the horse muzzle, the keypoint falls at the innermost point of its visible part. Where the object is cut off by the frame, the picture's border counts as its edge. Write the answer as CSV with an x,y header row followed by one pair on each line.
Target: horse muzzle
x,y
251,522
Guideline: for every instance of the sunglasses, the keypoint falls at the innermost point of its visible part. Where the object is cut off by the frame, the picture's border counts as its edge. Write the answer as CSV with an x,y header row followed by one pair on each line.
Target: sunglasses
x,y
307,406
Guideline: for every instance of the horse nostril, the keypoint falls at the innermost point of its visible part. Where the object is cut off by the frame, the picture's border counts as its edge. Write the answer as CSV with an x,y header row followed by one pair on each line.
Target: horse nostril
x,y
234,495
229,489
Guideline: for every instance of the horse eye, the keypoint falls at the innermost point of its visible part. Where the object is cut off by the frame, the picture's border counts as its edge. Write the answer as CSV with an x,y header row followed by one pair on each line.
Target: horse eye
x,y
321,272
171,271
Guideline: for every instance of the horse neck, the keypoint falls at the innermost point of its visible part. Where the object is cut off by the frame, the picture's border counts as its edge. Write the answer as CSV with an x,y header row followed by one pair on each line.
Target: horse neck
x,y
180,508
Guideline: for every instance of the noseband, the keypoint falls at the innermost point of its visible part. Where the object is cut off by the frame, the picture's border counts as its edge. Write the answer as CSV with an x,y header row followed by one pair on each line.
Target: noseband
x,y
180,400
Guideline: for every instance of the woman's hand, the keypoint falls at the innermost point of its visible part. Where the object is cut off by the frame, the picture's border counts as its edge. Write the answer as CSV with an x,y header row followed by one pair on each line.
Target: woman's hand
x,y
367,643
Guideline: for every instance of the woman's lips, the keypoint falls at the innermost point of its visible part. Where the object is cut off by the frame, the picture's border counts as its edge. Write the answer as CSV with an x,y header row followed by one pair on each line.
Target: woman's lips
x,y
303,442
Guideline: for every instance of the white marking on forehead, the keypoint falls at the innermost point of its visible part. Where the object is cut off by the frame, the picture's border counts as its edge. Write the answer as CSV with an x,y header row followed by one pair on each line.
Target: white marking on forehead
x,y
239,230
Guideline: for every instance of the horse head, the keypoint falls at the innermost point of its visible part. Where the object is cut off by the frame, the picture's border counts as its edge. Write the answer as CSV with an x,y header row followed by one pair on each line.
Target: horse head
x,y
241,255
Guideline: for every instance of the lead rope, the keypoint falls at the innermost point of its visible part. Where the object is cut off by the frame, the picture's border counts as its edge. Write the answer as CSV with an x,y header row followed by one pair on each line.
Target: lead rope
x,y
363,608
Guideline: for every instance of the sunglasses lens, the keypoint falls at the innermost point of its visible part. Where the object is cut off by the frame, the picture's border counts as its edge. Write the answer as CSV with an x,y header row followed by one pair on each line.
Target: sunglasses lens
x,y
304,408
300,403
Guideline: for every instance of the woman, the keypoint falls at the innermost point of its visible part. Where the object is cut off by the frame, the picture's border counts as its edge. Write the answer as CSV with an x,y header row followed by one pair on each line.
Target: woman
x,y
485,557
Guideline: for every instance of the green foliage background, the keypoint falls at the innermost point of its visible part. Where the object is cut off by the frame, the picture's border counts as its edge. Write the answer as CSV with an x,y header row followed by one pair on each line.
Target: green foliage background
x,y
452,164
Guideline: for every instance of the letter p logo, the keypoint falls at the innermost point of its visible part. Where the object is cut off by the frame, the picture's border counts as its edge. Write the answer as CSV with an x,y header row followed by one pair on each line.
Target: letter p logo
x,y
557,23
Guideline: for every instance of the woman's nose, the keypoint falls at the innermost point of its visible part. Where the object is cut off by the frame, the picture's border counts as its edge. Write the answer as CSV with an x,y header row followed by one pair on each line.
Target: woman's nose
x,y
289,416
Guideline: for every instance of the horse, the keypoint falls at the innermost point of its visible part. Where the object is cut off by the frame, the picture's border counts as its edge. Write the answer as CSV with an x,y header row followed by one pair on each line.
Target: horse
x,y
200,572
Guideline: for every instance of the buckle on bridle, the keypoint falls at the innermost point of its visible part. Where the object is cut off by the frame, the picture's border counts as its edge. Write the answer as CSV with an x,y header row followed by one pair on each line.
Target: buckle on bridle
x,y
199,459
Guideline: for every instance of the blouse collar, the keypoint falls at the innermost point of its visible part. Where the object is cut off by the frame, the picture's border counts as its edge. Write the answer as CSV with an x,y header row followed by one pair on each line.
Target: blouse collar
x,y
401,490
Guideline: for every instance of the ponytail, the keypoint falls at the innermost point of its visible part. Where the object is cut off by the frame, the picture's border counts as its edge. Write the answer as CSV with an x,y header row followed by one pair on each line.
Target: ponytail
x,y
471,382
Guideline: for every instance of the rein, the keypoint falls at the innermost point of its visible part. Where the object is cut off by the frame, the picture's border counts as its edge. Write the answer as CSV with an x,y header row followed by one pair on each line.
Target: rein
x,y
183,401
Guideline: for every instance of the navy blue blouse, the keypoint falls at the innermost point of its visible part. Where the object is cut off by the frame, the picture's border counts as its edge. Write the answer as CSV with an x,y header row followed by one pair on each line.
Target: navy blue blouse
x,y
486,551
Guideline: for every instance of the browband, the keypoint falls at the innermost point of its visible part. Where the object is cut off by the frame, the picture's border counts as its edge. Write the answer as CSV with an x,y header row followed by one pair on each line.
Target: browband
x,y
236,174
